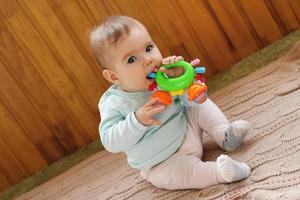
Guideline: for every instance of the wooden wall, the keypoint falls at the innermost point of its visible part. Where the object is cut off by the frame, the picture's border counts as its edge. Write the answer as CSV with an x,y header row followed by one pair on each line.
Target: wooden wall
x,y
50,84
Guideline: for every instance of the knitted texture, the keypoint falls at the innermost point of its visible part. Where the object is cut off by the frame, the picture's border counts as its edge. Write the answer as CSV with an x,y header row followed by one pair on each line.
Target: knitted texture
x,y
269,99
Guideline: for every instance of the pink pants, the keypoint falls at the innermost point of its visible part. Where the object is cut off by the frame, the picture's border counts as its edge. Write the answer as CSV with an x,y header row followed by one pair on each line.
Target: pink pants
x,y
185,169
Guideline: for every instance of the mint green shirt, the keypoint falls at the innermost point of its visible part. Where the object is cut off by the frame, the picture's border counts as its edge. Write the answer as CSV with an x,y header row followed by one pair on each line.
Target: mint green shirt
x,y
145,146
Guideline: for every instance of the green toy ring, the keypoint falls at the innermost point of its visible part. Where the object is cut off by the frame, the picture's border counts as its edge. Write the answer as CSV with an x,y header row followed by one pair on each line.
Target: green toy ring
x,y
176,83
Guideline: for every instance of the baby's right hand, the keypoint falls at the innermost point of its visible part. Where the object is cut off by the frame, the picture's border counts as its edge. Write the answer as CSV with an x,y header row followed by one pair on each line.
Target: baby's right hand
x,y
146,113
175,71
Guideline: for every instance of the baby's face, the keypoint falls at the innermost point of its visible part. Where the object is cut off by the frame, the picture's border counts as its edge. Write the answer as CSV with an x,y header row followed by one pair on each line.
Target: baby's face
x,y
133,58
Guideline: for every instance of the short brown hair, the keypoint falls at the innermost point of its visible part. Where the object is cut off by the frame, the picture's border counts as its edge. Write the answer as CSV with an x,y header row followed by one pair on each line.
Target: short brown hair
x,y
109,33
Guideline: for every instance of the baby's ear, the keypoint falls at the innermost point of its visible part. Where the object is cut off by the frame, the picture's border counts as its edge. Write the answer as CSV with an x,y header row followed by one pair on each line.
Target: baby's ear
x,y
110,76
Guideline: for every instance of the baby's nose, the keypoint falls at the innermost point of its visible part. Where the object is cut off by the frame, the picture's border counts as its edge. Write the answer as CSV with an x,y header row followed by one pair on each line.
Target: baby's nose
x,y
147,60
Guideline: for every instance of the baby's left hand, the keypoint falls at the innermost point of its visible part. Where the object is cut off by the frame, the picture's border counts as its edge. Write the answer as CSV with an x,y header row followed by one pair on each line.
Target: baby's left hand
x,y
175,71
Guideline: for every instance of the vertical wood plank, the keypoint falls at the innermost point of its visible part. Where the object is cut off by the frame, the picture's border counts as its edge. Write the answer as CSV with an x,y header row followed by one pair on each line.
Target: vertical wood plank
x,y
66,53
281,13
207,32
38,51
27,118
4,182
77,25
262,20
97,9
112,7
92,8
12,135
28,74
295,6
9,164
234,26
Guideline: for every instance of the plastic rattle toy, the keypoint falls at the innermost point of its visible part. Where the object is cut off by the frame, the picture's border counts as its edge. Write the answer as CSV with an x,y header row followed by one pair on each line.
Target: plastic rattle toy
x,y
192,80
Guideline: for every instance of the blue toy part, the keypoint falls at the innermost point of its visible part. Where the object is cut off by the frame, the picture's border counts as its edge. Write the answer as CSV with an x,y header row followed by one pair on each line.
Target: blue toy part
x,y
200,70
151,75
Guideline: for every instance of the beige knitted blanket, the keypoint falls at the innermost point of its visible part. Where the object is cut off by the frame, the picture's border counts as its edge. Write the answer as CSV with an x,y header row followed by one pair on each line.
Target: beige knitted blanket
x,y
269,98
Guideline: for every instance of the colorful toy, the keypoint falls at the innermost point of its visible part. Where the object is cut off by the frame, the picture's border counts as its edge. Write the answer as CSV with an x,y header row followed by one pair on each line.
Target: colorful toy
x,y
191,80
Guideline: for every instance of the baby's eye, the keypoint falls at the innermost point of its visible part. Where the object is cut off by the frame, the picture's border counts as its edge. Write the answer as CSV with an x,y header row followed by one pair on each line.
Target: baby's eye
x,y
131,60
149,48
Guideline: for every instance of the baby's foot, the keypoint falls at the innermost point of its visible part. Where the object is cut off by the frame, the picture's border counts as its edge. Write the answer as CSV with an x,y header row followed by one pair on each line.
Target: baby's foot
x,y
235,134
230,170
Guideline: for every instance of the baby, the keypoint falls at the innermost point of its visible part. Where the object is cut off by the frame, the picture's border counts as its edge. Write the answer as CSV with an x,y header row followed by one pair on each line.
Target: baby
x,y
163,142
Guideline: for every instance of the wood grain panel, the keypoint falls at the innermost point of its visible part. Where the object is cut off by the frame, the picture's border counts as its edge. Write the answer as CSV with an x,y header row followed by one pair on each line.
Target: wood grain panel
x,y
9,164
96,9
208,33
4,182
77,25
262,20
281,12
37,52
27,118
60,42
50,83
234,26
295,5
21,147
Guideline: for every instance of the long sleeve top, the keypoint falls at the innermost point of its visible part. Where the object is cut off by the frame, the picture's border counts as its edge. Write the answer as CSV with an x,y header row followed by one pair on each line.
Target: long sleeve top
x,y
145,146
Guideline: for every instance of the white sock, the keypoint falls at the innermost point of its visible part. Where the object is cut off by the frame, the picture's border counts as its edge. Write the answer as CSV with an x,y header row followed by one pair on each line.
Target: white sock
x,y
235,134
240,128
230,170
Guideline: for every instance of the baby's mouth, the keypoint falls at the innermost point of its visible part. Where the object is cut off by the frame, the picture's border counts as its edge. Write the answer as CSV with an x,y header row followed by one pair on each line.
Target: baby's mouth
x,y
152,74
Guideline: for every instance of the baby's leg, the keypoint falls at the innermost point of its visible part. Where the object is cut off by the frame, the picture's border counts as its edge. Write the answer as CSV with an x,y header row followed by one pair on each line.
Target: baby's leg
x,y
213,121
189,172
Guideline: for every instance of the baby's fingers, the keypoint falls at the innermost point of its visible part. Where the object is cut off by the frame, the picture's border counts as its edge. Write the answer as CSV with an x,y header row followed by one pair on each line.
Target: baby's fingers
x,y
179,58
155,110
155,122
152,101
169,60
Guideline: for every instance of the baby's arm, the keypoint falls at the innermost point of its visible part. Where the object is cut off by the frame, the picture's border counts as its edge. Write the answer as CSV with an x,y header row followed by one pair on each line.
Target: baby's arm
x,y
119,133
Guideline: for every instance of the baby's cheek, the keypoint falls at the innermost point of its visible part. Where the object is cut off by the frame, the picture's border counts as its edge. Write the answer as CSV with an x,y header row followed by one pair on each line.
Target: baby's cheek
x,y
139,80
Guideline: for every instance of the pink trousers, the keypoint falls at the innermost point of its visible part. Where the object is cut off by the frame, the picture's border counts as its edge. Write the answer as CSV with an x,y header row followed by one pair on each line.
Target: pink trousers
x,y
185,169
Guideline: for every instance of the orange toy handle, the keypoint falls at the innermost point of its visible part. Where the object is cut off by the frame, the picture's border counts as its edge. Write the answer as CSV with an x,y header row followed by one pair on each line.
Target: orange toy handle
x,y
196,90
164,97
